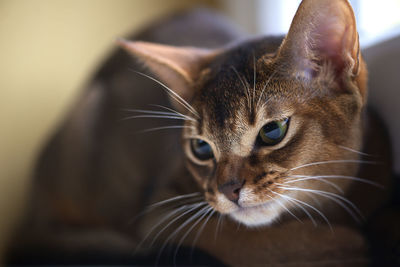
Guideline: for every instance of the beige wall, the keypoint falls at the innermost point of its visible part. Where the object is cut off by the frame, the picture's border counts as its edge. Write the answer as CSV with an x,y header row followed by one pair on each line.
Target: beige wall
x,y
47,50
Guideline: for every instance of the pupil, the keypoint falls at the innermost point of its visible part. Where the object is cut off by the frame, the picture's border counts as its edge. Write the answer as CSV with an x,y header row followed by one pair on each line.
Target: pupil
x,y
272,130
201,149
201,143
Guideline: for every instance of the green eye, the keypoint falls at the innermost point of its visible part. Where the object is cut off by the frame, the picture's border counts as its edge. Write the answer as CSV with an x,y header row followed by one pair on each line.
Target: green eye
x,y
201,149
272,133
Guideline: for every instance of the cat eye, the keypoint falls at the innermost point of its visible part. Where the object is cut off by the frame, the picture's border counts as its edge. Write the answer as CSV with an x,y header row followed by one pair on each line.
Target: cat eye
x,y
272,133
201,149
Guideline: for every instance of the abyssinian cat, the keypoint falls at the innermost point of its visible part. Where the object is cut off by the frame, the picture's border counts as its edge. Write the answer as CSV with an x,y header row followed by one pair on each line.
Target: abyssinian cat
x,y
271,163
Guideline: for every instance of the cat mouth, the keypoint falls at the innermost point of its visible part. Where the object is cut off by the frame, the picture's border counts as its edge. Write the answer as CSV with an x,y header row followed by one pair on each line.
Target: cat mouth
x,y
255,207
256,215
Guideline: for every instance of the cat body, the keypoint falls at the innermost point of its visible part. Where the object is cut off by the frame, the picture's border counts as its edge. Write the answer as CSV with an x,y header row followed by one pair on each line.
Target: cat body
x,y
99,173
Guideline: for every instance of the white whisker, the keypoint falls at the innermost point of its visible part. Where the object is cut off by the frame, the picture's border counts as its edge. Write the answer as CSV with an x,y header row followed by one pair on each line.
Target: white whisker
x,y
151,112
163,202
201,229
304,210
340,190
334,161
316,201
183,199
173,234
174,95
334,197
352,178
239,223
156,112
166,217
175,219
355,151
265,86
300,206
308,205
283,206
155,116
167,127
218,226
245,86
174,111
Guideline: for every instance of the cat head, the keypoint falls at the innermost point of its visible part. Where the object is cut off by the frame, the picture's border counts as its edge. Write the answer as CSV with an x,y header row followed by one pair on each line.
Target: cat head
x,y
266,117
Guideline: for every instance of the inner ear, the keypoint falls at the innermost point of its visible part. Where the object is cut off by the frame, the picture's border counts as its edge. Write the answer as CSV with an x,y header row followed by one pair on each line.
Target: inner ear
x,y
322,31
176,67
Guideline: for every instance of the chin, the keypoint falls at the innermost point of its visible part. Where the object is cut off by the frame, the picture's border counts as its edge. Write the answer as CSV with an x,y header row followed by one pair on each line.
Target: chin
x,y
256,216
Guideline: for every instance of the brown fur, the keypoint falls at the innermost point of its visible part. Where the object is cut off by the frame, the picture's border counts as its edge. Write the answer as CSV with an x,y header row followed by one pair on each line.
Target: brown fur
x,y
98,176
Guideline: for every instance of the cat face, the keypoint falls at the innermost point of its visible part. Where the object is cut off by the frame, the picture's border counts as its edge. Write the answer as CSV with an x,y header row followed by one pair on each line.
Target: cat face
x,y
266,118
258,125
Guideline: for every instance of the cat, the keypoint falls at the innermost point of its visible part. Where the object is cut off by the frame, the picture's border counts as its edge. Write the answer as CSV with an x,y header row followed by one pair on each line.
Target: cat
x,y
275,141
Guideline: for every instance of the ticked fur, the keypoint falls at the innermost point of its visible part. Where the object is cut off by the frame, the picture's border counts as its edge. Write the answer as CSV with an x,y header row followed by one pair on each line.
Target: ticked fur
x,y
315,76
97,174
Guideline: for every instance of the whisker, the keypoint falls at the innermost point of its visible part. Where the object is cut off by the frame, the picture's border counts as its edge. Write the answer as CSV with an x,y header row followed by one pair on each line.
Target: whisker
x,y
316,201
301,207
304,210
166,127
156,117
175,219
238,225
174,95
163,202
184,199
308,205
183,225
334,161
152,112
201,229
334,197
173,111
156,112
352,178
218,226
244,85
166,217
356,151
265,86
283,206
340,190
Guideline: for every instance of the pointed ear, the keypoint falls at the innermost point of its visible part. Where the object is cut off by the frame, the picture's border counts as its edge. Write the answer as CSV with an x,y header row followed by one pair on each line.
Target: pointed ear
x,y
177,67
323,31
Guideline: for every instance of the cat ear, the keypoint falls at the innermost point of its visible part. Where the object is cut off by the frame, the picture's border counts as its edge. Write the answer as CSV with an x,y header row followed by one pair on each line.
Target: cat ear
x,y
176,67
322,31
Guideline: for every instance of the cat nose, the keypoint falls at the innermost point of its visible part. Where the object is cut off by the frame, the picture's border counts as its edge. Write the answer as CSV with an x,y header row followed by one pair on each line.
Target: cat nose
x,y
231,190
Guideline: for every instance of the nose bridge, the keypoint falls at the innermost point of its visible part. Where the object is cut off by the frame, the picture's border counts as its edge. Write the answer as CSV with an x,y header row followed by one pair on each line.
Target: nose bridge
x,y
229,178
228,170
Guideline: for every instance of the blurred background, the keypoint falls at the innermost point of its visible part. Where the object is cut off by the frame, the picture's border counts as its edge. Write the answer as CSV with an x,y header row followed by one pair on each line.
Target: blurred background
x,y
49,48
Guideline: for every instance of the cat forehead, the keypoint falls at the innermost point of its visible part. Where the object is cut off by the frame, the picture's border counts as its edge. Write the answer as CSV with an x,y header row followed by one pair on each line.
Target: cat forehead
x,y
233,80
237,93
244,88
232,111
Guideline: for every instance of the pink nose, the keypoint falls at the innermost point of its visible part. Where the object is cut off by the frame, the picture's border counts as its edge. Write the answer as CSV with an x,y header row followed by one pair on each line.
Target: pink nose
x,y
231,190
